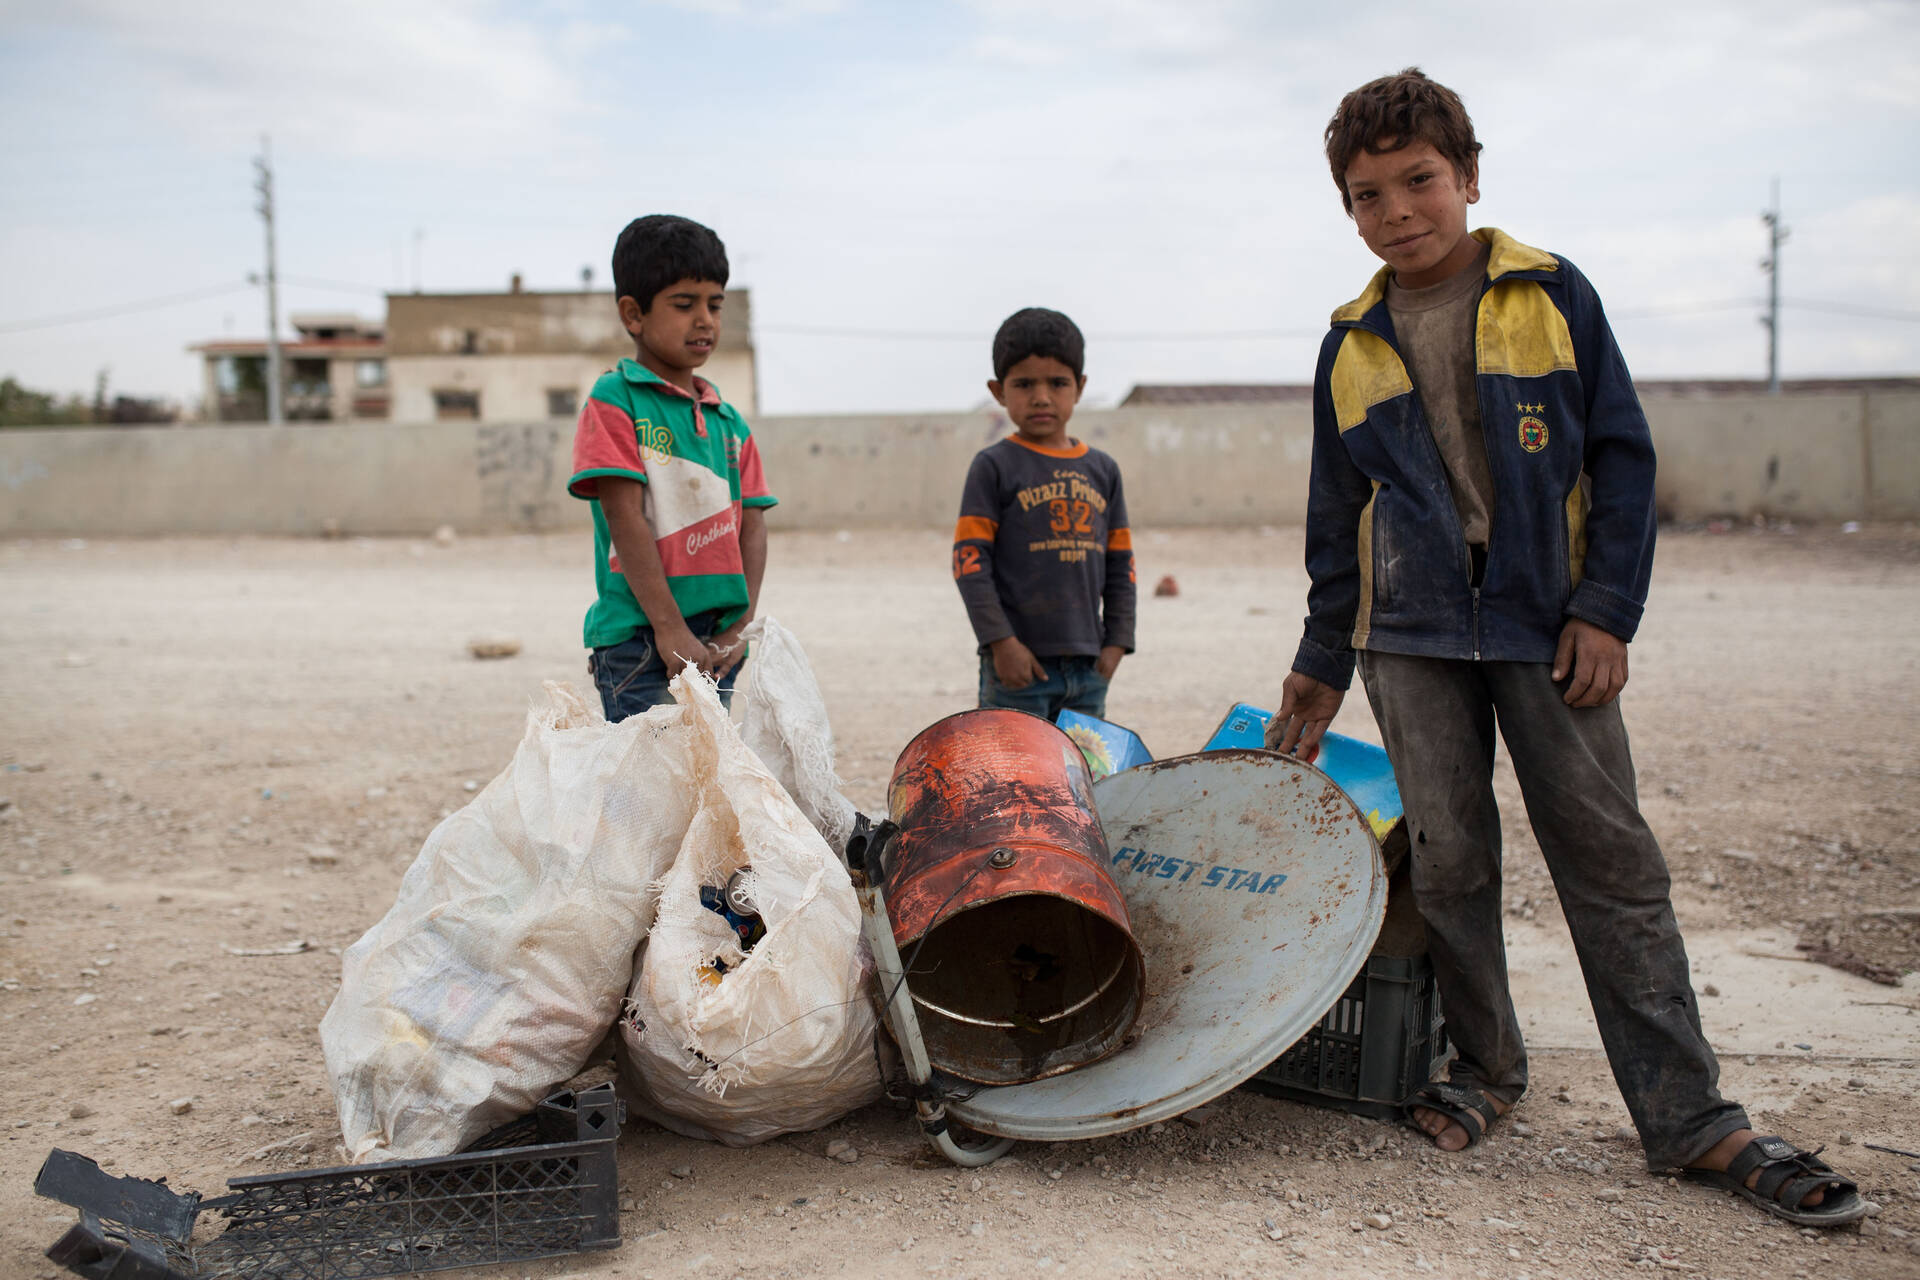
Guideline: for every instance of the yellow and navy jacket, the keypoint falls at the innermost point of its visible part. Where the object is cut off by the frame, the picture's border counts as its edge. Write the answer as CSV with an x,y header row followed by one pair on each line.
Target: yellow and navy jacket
x,y
1572,465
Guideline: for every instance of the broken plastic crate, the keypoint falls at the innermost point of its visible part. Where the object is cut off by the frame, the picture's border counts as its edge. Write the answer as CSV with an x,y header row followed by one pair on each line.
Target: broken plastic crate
x,y
1380,1041
540,1187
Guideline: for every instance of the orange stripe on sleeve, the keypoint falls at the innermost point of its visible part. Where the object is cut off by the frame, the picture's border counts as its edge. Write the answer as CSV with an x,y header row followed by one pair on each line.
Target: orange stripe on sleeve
x,y
1120,540
975,527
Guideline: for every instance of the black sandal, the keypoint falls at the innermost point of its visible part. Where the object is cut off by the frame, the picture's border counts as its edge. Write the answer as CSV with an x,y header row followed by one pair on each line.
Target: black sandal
x,y
1469,1107
1788,1176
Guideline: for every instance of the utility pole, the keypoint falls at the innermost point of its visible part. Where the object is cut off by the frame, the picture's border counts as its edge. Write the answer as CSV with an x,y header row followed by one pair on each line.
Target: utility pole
x,y
1776,236
263,183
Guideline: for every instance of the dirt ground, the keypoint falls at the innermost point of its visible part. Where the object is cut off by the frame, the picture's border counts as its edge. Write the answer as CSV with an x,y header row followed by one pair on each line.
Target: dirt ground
x,y
210,744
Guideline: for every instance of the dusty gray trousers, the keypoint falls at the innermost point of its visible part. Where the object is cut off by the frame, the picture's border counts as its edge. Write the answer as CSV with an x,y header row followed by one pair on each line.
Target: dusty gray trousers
x,y
1437,719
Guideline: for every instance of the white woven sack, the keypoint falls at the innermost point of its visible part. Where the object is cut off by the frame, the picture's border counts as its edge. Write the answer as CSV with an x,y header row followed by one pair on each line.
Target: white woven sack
x,y
785,723
784,1040
504,960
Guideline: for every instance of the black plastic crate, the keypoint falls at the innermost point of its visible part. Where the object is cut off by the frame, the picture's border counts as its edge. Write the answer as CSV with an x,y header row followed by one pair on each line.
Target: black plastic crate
x,y
1381,1040
540,1187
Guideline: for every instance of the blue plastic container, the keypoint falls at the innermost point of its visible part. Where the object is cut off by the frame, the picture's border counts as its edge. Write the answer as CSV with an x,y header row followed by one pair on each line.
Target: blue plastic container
x,y
1359,767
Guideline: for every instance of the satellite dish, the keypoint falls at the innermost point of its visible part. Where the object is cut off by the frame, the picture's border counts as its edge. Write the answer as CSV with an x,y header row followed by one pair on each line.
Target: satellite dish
x,y
1256,890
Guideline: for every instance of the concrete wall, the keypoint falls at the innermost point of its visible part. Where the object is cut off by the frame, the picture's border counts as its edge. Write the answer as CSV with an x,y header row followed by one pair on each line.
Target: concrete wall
x,y
1815,457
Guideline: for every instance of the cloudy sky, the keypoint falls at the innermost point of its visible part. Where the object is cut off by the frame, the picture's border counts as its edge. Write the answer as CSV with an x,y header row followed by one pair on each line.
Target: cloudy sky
x,y
892,179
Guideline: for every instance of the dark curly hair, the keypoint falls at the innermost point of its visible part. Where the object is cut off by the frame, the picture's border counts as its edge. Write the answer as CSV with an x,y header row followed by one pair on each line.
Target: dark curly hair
x,y
1036,331
1394,112
662,249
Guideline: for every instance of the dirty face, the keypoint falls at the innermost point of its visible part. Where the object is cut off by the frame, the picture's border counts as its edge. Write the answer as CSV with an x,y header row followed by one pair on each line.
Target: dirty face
x,y
1410,206
1039,394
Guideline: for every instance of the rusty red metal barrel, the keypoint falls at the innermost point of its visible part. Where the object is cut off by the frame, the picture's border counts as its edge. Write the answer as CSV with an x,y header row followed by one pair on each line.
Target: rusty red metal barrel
x,y
1020,955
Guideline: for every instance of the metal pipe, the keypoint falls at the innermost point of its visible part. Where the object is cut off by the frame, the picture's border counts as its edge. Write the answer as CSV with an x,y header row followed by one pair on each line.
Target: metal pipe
x,y
897,1008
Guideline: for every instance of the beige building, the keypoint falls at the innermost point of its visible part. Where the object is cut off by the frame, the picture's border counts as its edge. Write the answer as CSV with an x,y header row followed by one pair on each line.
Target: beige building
x,y
491,357
335,370
522,356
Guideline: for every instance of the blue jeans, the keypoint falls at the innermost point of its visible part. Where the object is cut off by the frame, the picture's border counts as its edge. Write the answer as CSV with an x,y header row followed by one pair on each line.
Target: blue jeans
x,y
1072,684
632,675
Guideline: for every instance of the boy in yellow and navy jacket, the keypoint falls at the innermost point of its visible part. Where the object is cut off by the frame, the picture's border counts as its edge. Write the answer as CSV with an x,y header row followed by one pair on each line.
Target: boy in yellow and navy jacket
x,y
1480,531
1042,553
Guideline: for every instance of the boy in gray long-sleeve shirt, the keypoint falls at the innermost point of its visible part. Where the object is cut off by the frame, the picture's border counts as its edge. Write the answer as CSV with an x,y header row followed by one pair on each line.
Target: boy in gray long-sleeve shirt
x,y
1042,553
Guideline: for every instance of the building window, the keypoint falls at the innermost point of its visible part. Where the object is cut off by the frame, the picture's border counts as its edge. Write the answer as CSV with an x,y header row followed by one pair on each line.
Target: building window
x,y
456,405
562,402
370,373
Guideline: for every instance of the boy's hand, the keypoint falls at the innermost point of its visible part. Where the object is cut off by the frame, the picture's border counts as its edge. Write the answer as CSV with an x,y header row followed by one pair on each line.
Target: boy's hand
x,y
1109,660
677,647
1307,707
1597,660
727,648
1014,665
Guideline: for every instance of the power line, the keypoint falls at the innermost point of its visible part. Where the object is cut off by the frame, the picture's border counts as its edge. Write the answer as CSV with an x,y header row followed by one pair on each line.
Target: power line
x,y
1850,309
123,309
341,286
936,335
1682,309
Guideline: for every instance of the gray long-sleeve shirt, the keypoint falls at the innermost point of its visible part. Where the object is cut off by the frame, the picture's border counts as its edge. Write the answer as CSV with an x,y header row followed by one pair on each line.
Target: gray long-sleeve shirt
x,y
1042,550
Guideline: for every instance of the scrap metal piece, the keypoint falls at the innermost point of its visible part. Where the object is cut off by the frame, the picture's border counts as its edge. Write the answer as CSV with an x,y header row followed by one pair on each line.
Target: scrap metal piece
x,y
1022,958
1256,888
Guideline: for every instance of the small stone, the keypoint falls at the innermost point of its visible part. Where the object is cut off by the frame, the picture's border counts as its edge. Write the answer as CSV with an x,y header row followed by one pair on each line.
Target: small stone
x,y
1751,1060
1710,991
1378,1221
628,1204
79,1111
1167,586
681,1171
1156,1129
323,855
252,1121
1198,1117
1274,1230
1844,1138
180,1106
1868,1227
88,998
977,1229
1856,1082
469,785
493,646
843,1151
1807,1047
1625,1134
1521,1129
1056,1174
444,536
1609,1195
